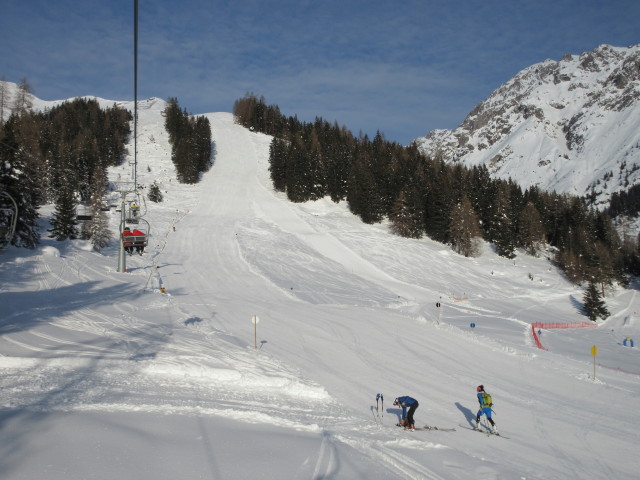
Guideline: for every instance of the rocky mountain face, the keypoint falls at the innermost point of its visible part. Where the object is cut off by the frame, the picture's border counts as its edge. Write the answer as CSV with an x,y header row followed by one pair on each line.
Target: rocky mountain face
x,y
572,126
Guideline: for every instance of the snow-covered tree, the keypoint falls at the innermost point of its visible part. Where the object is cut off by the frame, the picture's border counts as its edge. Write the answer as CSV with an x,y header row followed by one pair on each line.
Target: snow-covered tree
x,y
406,215
97,229
63,222
464,229
594,306
155,195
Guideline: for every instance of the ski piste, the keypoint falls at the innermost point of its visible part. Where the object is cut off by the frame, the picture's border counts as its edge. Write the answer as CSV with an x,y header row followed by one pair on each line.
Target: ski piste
x,y
431,427
486,432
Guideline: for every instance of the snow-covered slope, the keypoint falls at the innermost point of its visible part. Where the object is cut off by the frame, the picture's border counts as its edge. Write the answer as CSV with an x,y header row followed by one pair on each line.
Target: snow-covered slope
x,y
572,125
11,92
102,376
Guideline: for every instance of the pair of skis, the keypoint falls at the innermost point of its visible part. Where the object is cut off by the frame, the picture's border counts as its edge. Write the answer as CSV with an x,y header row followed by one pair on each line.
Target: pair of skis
x,y
430,428
487,432
379,408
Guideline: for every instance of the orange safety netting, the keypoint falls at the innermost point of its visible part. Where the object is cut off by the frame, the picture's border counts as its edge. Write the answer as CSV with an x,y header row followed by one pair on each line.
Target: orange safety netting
x,y
549,326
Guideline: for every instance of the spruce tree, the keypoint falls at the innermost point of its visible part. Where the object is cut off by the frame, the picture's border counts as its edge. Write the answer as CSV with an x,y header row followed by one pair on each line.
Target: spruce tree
x,y
438,201
502,228
594,306
155,195
63,222
19,180
530,229
464,229
97,229
363,194
406,215
190,140
278,164
299,172
437,212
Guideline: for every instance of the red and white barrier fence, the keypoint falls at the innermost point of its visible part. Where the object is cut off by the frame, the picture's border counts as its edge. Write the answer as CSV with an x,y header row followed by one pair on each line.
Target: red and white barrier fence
x,y
548,326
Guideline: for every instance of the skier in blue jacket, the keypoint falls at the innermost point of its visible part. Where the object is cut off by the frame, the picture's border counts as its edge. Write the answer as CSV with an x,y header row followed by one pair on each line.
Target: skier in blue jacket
x,y
407,416
485,409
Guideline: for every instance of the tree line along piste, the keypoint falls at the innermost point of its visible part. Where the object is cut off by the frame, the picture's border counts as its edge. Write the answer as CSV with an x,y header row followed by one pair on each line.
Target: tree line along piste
x,y
449,203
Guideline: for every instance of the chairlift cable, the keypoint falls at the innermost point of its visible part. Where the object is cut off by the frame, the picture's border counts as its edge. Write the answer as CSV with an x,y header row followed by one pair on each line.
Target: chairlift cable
x,y
135,95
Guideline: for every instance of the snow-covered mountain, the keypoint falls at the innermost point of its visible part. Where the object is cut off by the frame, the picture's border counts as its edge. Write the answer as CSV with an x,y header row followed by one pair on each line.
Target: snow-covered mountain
x,y
571,125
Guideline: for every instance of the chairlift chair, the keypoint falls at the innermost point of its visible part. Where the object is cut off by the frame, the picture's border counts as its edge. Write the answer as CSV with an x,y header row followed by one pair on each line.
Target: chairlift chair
x,y
83,213
135,210
133,213
136,239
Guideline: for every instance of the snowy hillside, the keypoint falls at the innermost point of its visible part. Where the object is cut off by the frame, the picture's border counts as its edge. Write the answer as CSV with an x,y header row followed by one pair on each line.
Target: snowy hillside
x,y
572,125
103,376
11,91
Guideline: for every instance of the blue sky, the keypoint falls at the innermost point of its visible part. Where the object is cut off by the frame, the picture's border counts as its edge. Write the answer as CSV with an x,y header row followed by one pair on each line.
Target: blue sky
x,y
402,67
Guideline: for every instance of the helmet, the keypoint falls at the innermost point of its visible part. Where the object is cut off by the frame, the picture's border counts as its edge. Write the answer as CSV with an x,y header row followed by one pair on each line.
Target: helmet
x,y
480,388
395,402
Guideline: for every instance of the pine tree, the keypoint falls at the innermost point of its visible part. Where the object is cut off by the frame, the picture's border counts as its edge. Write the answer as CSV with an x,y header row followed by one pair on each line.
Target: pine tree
x,y
502,228
299,172
464,229
530,229
594,306
155,195
97,229
173,119
190,140
439,198
363,194
63,222
317,173
20,182
406,215
278,164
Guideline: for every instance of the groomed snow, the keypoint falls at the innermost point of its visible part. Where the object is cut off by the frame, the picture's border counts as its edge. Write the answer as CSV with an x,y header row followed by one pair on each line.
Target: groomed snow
x,y
102,376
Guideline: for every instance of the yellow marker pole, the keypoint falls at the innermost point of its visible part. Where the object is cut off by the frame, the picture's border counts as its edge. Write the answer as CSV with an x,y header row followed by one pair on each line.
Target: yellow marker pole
x,y
594,352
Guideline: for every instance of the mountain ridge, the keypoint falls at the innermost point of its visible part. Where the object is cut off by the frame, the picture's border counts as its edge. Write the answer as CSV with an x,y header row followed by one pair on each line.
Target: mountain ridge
x,y
569,126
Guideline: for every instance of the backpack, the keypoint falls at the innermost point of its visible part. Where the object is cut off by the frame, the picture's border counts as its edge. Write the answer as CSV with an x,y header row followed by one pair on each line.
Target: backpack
x,y
486,400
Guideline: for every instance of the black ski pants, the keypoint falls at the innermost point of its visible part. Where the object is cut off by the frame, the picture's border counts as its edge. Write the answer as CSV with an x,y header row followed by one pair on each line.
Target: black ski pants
x,y
410,413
